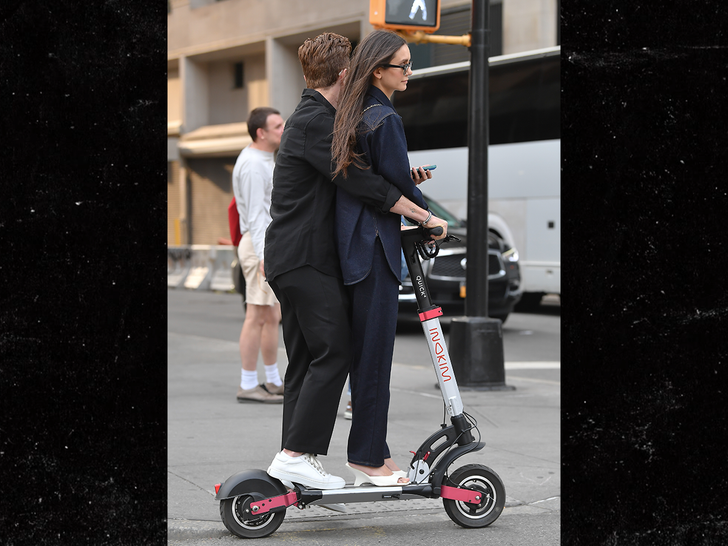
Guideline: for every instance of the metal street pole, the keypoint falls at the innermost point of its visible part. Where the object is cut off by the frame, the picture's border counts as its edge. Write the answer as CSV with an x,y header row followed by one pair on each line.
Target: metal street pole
x,y
476,341
476,301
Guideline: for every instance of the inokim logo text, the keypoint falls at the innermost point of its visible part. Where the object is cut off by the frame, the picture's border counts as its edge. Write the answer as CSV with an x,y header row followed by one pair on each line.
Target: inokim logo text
x,y
442,362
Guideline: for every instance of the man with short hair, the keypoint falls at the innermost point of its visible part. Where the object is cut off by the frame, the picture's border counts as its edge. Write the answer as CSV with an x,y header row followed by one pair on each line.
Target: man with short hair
x,y
302,263
252,185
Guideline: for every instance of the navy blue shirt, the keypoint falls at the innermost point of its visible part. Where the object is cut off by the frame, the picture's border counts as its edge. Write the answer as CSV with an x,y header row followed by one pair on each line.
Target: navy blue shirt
x,y
382,142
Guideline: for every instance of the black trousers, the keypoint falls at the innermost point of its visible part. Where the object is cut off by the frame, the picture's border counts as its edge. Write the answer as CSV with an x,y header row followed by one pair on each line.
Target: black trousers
x,y
316,332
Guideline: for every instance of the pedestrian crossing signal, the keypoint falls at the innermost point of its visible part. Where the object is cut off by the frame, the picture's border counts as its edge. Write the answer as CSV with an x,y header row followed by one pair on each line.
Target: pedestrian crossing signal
x,y
405,14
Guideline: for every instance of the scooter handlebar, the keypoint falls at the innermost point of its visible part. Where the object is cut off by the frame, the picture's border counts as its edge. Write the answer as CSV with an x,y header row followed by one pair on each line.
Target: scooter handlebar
x,y
422,234
436,231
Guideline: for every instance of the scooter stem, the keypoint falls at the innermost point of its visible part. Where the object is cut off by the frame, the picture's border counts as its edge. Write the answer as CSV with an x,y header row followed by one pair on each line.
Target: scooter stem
x,y
443,366
429,318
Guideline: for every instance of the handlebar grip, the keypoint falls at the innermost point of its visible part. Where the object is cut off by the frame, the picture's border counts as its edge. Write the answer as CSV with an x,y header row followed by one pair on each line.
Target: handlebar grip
x,y
437,230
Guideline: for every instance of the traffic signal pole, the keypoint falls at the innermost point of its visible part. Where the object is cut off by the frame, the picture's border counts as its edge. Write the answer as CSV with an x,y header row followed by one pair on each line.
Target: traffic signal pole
x,y
476,302
419,37
476,340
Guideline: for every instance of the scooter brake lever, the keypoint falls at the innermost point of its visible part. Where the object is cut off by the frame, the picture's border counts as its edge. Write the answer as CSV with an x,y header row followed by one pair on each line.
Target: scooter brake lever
x,y
448,239
429,249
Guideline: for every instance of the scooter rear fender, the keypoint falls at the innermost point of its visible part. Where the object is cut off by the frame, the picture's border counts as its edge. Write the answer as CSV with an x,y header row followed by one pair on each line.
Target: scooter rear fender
x,y
256,483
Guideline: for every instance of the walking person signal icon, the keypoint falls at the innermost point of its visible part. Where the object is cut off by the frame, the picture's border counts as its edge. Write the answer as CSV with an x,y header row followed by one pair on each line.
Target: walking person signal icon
x,y
405,14
418,5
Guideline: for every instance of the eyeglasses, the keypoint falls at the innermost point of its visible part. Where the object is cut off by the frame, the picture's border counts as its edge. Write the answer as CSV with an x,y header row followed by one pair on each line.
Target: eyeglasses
x,y
404,67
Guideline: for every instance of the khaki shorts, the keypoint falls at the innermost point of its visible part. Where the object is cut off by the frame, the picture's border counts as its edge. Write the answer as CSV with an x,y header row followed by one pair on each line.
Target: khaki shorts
x,y
257,291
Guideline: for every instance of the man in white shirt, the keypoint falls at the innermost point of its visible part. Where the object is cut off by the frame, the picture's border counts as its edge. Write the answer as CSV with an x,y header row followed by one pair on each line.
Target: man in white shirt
x,y
252,186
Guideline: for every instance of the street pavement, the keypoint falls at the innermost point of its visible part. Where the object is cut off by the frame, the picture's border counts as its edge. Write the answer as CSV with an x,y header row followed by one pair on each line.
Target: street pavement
x,y
211,436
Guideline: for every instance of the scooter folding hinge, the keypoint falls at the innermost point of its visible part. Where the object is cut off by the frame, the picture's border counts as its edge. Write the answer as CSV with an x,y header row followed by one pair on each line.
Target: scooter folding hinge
x,y
464,495
431,314
266,505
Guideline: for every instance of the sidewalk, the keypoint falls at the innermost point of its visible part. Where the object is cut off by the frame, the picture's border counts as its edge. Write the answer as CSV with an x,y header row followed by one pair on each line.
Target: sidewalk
x,y
211,436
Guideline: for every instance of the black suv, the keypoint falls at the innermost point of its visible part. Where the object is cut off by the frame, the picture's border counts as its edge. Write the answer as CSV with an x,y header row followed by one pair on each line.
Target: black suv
x,y
446,272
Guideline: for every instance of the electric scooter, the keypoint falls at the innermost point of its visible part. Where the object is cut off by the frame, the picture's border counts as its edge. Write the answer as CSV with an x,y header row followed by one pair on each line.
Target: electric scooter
x,y
253,504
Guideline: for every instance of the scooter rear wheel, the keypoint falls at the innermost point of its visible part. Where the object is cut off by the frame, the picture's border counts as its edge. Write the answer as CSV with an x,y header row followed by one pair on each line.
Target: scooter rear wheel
x,y
477,478
239,520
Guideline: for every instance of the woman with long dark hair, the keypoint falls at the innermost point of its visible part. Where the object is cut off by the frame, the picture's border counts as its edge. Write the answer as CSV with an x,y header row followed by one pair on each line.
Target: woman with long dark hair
x,y
368,133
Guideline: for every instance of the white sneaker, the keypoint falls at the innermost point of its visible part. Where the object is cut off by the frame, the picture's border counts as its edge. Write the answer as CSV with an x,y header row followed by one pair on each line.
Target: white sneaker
x,y
306,470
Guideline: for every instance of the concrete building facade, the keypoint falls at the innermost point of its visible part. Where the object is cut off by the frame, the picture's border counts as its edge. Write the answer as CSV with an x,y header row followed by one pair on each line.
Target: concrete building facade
x,y
226,57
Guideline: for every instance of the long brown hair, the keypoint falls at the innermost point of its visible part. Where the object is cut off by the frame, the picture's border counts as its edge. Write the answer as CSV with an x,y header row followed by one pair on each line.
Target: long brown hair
x,y
375,50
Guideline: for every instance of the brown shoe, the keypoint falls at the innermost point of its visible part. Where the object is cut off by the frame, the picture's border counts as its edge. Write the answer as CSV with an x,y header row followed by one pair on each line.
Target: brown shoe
x,y
258,394
271,388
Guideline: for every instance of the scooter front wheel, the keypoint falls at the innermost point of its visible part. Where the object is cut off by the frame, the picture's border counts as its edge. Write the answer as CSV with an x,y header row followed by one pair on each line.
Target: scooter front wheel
x,y
477,478
240,521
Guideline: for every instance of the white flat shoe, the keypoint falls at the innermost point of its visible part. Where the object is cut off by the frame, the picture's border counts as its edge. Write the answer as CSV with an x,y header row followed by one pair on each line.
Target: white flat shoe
x,y
380,481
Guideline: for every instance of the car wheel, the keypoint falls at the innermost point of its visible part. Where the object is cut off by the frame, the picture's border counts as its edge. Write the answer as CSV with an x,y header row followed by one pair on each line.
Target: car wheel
x,y
529,301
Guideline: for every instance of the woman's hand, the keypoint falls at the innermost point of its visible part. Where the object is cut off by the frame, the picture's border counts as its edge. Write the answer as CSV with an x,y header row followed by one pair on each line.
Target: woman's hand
x,y
419,175
434,222
405,207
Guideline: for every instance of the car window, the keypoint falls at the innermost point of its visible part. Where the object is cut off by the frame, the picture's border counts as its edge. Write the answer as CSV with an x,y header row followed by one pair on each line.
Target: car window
x,y
441,212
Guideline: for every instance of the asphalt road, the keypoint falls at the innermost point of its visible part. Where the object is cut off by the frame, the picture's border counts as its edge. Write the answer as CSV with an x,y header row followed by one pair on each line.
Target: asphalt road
x,y
212,437
527,337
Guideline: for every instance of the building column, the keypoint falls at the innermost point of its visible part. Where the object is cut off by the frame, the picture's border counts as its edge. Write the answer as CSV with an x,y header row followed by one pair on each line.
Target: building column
x,y
285,76
195,94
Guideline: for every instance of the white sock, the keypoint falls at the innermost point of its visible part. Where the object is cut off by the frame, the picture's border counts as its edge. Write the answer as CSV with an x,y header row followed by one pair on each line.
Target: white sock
x,y
272,375
248,380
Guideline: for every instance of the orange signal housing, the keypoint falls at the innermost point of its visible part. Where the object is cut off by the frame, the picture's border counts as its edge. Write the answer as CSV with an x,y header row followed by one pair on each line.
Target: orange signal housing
x,y
378,17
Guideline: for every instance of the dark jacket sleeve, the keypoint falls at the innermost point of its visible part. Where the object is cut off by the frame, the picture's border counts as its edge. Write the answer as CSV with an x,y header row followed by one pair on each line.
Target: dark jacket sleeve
x,y
370,188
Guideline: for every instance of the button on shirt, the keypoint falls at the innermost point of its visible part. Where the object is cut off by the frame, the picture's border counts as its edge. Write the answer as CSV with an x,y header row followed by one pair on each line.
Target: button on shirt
x,y
252,185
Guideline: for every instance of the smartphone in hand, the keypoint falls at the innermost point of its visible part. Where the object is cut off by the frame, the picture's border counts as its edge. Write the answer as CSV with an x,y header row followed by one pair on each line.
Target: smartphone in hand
x,y
424,167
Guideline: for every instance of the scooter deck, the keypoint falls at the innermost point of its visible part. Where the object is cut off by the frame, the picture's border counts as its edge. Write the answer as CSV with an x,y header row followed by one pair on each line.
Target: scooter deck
x,y
350,494
366,493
